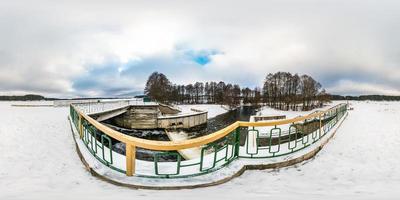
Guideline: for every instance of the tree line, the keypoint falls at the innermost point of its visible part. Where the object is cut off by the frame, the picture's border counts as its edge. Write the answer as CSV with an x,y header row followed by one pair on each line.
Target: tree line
x,y
281,90
285,91
28,97
366,98
159,88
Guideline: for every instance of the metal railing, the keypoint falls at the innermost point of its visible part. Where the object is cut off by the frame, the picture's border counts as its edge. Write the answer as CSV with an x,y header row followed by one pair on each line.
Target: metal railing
x,y
108,105
96,107
247,140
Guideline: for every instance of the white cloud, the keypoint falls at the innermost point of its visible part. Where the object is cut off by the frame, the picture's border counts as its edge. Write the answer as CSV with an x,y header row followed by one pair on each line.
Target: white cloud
x,y
357,88
47,45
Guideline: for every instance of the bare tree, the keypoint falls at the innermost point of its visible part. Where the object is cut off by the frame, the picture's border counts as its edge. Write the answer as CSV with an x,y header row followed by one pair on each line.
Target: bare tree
x,y
283,90
158,87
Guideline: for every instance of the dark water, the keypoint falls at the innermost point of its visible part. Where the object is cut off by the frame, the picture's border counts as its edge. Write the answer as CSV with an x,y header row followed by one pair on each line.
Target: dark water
x,y
142,154
221,121
214,124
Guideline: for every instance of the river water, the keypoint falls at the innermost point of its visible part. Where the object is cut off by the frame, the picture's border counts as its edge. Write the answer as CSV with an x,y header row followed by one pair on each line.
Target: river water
x,y
242,113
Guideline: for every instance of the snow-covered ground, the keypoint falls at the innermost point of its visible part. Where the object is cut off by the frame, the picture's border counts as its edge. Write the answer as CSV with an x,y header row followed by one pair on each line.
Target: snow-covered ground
x,y
38,161
32,103
268,111
213,110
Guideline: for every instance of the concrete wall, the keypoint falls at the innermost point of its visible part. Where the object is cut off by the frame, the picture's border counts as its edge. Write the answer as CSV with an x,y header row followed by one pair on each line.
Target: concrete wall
x,y
139,117
165,109
68,102
149,117
266,118
183,121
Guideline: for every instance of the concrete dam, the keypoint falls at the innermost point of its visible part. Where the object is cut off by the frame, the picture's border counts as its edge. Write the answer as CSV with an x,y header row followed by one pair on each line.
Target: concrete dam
x,y
153,116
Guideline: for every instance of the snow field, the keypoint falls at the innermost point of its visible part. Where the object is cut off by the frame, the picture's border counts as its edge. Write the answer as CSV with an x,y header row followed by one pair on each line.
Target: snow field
x,y
213,110
39,161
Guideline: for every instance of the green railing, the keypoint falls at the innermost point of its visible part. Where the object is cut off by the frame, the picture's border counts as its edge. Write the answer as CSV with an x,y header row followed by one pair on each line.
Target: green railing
x,y
241,140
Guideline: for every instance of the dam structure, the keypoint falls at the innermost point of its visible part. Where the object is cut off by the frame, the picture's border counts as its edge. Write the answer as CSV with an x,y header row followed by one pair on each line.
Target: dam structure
x,y
147,115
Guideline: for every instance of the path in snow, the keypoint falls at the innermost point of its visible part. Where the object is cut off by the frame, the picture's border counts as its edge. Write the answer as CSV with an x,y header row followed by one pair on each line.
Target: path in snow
x,y
38,161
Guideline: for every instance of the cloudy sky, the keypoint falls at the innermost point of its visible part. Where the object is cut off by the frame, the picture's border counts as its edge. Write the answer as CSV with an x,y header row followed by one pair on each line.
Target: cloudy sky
x,y
104,48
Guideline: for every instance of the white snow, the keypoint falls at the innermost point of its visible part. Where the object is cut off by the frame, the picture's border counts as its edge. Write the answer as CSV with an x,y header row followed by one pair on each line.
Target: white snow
x,y
268,111
213,110
38,161
32,103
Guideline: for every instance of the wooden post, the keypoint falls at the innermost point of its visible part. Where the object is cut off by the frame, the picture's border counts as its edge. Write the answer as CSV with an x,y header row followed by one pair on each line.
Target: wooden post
x,y
80,127
130,159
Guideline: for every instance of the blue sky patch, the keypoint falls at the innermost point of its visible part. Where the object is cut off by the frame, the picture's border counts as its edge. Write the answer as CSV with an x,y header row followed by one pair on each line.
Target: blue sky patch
x,y
201,57
113,77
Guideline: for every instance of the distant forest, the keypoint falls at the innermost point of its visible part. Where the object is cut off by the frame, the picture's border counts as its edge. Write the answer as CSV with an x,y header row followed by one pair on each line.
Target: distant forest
x,y
366,97
281,90
221,93
29,97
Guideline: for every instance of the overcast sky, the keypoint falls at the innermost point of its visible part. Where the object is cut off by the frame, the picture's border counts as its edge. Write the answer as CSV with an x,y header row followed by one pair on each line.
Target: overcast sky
x,y
105,48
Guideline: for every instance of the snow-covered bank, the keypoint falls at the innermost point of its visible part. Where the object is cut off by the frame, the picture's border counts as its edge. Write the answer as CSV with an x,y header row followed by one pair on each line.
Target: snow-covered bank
x,y
268,111
38,161
213,109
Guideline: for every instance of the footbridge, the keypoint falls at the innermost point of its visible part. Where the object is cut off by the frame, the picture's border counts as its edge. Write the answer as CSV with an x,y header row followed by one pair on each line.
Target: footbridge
x,y
224,154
